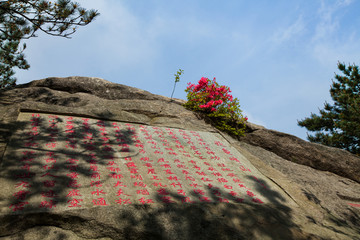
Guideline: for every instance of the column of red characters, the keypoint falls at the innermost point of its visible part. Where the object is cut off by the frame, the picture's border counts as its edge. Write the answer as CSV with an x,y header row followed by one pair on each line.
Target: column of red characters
x,y
174,179
72,164
48,177
141,190
115,169
96,185
23,185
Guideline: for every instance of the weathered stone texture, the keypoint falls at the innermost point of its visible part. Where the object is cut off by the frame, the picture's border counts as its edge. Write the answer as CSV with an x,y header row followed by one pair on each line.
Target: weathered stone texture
x,y
310,191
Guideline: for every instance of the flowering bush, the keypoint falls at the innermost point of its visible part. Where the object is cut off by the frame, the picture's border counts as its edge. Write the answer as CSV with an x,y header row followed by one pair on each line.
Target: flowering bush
x,y
218,104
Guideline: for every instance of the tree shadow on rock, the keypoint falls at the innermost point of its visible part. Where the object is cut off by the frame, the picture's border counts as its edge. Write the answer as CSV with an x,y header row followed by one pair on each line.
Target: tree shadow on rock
x,y
212,219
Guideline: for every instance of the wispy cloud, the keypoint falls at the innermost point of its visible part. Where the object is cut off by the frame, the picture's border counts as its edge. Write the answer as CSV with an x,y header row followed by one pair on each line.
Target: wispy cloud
x,y
290,32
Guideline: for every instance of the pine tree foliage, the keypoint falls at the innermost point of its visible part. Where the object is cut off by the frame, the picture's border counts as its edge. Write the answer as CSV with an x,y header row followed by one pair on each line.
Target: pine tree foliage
x,y
338,125
21,19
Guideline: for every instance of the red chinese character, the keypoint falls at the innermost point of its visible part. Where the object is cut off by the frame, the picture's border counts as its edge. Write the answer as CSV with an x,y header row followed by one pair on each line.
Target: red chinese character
x,y
159,184
119,184
72,167
23,184
210,186
51,145
226,151
232,193
99,202
73,184
162,191
201,173
228,187
237,180
121,192
74,192
72,161
176,184
166,165
222,180
199,191
156,178
49,183
134,170
168,171
206,180
235,159
244,169
256,200
173,178
151,171
51,160
145,201
226,169
98,192
194,185
181,192
240,200
137,177
217,174
130,164
166,199
47,204
111,163
18,206
190,178
49,194
251,194
223,200
113,169
72,175
146,159
94,168
181,166
143,192
21,195
74,202
216,192
140,184
204,199
116,176
123,201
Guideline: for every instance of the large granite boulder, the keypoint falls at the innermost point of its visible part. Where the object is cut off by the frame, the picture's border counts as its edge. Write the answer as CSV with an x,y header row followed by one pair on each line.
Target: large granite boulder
x,y
84,158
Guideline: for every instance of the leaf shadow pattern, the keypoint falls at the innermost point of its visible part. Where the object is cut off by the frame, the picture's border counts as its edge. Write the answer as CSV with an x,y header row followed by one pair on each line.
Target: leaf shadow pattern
x,y
40,177
213,220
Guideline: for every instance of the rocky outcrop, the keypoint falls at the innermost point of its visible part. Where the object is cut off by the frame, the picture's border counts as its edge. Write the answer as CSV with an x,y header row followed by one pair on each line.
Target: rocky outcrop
x,y
296,150
310,191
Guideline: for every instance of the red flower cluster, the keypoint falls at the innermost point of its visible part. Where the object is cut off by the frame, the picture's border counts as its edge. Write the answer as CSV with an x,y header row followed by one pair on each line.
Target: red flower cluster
x,y
209,94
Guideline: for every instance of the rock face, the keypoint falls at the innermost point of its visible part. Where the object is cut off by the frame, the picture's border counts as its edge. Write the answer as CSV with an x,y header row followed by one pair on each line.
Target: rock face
x,y
84,158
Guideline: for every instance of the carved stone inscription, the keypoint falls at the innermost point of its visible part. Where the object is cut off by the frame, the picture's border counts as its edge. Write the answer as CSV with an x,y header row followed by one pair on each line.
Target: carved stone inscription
x,y
57,163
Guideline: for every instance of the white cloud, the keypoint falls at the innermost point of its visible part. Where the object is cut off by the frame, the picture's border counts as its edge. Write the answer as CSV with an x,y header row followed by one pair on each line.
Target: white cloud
x,y
290,32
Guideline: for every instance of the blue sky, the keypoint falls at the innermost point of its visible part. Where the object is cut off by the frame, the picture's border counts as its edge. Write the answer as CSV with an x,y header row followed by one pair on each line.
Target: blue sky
x,y
278,57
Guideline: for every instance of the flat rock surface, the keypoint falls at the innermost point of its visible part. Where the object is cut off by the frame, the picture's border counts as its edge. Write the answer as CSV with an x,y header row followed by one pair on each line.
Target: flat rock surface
x,y
84,158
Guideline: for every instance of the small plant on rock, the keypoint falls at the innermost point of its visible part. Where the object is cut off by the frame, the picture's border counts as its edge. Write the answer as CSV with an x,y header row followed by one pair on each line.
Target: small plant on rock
x,y
177,79
217,104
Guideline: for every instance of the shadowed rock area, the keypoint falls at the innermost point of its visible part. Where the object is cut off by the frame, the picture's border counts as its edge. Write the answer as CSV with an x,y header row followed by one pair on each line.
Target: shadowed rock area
x,y
84,158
